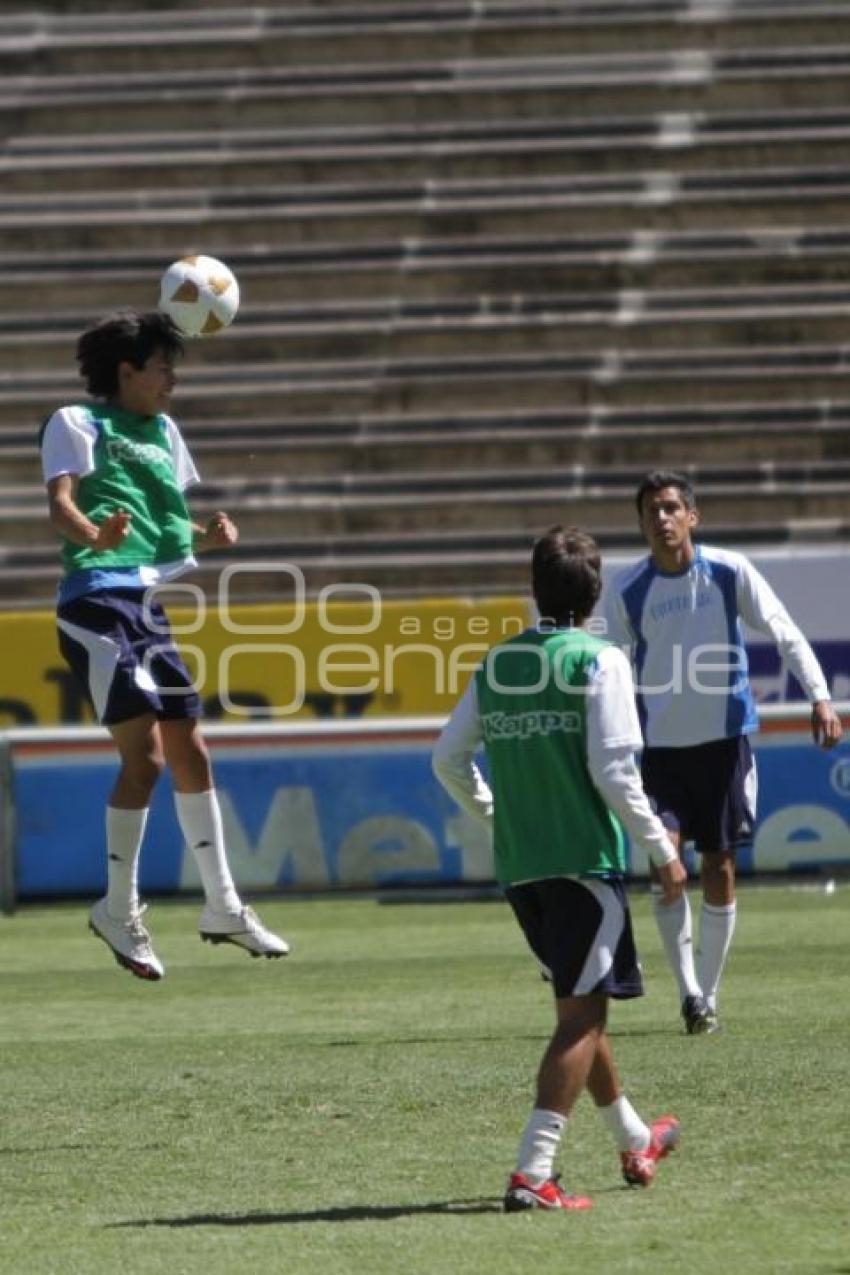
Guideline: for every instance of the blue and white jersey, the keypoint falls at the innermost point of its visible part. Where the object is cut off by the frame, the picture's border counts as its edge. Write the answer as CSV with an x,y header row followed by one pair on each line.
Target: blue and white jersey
x,y
684,633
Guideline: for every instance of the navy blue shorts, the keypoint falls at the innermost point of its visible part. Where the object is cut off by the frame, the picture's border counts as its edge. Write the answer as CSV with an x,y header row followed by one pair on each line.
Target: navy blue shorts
x,y
581,931
124,657
706,793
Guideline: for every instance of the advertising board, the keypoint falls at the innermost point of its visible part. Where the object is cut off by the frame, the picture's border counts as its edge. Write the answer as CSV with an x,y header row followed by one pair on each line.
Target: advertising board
x,y
342,805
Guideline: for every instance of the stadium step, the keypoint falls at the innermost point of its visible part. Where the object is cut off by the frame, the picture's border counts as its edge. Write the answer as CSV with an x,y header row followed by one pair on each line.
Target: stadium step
x,y
612,377
448,267
444,150
211,37
422,91
468,499
594,438
659,199
487,324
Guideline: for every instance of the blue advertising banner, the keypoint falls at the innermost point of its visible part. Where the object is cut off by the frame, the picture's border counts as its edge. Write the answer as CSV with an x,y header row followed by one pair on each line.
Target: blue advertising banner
x,y
352,808
341,807
804,805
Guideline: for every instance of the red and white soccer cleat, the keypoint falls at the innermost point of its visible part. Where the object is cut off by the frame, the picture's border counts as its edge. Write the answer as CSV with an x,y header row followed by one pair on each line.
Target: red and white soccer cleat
x,y
639,1167
522,1195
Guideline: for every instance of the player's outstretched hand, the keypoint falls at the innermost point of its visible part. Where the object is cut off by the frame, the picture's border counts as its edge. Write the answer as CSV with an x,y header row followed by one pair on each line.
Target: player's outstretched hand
x,y
672,878
113,530
826,725
220,531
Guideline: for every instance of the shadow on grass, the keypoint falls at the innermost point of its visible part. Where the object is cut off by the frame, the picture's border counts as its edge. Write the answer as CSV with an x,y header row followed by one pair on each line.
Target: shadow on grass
x,y
53,1149
377,1042
355,1213
540,1037
515,1038
372,1042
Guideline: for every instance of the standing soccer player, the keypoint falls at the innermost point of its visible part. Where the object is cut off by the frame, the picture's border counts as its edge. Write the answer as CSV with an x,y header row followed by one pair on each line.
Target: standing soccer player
x,y
677,610
555,710
116,470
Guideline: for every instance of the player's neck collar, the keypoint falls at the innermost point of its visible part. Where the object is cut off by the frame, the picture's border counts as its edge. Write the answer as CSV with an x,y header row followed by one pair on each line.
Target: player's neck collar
x,y
681,571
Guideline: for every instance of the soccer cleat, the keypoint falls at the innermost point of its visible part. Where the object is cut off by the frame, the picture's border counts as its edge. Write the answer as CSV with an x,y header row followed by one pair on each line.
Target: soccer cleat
x,y
244,929
522,1195
712,1021
639,1167
700,1020
129,941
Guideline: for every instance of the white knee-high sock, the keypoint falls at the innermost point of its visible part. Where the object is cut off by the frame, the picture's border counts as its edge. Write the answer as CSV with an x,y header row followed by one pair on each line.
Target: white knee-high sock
x,y
674,926
539,1144
199,815
717,925
124,832
625,1125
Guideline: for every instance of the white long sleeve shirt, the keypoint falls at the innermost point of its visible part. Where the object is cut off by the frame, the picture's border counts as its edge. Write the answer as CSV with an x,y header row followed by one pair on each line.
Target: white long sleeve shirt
x,y
613,735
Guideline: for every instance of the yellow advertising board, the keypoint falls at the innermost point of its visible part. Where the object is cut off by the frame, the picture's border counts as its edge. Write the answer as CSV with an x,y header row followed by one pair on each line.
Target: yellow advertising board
x,y
323,658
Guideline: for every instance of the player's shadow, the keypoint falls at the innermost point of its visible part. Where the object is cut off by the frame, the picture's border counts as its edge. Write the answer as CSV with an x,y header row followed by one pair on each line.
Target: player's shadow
x,y
433,1041
354,1213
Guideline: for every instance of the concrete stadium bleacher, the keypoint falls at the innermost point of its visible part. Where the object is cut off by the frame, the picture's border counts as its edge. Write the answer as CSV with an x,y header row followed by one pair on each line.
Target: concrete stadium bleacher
x,y
497,259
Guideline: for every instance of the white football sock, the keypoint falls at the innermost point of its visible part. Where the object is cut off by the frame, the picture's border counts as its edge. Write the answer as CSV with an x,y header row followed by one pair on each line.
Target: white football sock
x,y
199,815
539,1144
124,832
717,925
625,1125
674,926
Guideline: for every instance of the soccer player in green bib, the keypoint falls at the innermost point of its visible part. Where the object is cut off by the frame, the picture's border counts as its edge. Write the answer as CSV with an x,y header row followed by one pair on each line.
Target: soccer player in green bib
x,y
555,711
116,469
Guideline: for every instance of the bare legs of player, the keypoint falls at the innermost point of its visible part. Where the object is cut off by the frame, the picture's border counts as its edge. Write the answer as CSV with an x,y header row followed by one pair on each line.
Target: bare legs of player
x,y
717,873
578,1048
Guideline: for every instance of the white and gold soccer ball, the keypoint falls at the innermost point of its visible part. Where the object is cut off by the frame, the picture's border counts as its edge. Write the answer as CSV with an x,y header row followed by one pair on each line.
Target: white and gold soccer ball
x,y
200,294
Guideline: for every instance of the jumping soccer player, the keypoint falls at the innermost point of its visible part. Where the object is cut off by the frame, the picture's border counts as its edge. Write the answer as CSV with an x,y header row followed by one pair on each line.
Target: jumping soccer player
x,y
116,470
680,613
555,710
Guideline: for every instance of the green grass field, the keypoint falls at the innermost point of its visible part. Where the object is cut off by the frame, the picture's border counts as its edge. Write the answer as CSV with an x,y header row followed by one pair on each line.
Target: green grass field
x,y
357,1107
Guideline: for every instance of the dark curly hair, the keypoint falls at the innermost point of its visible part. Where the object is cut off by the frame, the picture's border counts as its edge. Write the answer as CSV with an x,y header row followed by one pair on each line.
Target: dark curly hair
x,y
126,336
